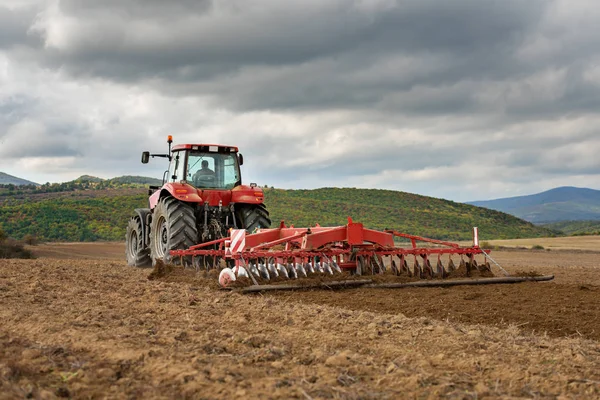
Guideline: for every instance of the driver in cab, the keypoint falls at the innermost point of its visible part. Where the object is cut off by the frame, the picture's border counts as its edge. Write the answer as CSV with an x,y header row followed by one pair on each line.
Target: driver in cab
x,y
203,172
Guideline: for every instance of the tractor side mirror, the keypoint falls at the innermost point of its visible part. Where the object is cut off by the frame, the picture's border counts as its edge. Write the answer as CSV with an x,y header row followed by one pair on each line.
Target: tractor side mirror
x,y
145,157
240,159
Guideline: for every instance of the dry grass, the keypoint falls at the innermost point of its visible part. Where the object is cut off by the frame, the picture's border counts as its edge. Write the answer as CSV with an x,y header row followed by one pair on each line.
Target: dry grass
x,y
582,243
558,243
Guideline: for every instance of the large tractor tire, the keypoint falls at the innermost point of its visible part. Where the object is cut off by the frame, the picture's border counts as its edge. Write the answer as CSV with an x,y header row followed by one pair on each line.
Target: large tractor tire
x,y
137,255
254,217
173,228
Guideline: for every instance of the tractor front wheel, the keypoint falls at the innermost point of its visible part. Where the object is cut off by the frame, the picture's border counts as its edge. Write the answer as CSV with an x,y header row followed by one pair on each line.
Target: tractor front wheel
x,y
254,217
173,228
137,255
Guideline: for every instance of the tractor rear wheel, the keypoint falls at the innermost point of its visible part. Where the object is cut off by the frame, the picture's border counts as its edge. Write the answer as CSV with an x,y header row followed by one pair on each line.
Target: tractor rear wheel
x,y
137,255
254,217
173,228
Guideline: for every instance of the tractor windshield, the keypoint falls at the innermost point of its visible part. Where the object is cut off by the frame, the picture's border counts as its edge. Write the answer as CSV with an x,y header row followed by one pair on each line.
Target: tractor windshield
x,y
213,170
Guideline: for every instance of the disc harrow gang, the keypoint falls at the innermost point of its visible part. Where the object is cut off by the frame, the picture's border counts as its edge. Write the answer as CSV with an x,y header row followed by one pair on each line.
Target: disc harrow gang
x,y
351,251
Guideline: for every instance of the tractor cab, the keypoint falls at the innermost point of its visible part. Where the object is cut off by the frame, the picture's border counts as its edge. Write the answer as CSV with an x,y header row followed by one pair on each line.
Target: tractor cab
x,y
206,166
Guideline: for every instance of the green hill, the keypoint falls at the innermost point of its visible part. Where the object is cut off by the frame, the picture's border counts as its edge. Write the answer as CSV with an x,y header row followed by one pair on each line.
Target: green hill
x,y
88,178
575,227
140,180
101,214
406,212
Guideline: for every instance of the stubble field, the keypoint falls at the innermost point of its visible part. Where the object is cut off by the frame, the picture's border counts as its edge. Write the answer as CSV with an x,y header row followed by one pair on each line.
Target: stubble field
x,y
77,322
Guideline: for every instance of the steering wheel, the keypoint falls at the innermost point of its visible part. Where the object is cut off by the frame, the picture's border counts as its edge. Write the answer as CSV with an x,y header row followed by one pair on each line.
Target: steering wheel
x,y
203,180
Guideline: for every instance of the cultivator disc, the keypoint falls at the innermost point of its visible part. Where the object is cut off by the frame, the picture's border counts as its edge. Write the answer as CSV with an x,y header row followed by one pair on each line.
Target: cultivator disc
x,y
344,254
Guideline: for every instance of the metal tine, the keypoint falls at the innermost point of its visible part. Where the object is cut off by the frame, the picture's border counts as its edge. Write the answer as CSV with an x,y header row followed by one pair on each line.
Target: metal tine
x,y
327,268
417,271
405,267
300,271
264,272
292,271
333,266
472,265
441,272
451,266
254,270
319,267
464,264
359,266
395,268
379,260
272,270
336,267
485,267
282,271
376,265
373,265
241,272
309,268
427,269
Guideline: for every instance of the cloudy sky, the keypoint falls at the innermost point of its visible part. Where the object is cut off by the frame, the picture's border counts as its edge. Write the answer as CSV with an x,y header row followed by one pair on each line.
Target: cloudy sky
x,y
461,99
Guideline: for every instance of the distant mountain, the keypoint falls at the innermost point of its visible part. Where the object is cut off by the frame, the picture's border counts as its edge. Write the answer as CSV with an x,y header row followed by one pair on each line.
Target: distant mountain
x,y
560,204
6,179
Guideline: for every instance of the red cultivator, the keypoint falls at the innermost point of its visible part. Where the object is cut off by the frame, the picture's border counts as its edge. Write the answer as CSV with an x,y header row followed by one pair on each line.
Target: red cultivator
x,y
293,253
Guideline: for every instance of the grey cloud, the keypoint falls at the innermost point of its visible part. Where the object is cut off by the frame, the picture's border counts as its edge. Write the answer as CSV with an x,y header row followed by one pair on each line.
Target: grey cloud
x,y
235,34
486,94
15,108
14,27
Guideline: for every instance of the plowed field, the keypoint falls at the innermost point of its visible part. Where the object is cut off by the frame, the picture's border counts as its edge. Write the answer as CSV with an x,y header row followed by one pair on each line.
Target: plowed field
x,y
77,322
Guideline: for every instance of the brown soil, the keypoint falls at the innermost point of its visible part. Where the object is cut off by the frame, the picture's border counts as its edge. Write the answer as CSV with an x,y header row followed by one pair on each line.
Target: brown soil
x,y
86,251
91,327
556,310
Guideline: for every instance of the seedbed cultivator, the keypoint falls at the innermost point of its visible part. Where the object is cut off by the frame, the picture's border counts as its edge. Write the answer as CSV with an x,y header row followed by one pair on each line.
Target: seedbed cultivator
x,y
342,256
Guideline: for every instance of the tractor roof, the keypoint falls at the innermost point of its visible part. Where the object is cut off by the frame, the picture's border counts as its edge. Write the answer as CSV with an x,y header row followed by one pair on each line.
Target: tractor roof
x,y
220,148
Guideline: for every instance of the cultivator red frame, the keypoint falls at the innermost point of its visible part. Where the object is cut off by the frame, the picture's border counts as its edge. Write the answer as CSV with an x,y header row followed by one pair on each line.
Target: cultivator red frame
x,y
292,253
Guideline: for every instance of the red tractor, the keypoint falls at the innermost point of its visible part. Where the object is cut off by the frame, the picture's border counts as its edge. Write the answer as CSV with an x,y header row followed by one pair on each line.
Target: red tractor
x,y
201,198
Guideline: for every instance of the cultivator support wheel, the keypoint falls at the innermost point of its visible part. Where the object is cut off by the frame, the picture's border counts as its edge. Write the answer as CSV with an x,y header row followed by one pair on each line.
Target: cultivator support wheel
x,y
342,254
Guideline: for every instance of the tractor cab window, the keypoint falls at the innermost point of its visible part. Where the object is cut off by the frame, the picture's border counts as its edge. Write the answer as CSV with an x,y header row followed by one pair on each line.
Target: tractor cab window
x,y
212,170
176,167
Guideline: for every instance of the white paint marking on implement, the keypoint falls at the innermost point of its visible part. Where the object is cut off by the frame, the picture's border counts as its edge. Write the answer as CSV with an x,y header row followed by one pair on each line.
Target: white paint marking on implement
x,y
238,240
475,237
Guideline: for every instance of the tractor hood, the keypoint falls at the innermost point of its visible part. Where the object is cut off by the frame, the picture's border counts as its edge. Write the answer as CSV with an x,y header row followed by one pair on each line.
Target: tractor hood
x,y
215,197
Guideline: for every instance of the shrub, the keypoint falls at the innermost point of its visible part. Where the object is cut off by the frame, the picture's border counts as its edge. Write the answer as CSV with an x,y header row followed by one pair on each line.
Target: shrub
x,y
31,240
537,247
487,245
12,249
